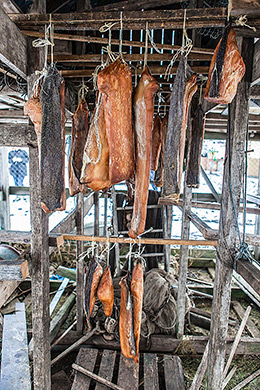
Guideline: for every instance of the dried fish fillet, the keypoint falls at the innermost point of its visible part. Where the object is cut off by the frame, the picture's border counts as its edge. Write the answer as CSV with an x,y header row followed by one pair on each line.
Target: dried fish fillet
x,y
92,278
105,292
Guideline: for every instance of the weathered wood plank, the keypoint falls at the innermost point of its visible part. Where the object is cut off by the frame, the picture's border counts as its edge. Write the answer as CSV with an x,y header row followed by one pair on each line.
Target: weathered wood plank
x,y
61,316
250,273
183,262
135,5
245,7
4,190
106,368
17,135
6,289
40,279
80,263
151,380
250,326
87,359
173,373
238,115
104,41
256,63
15,370
128,374
194,345
13,51
13,269
134,20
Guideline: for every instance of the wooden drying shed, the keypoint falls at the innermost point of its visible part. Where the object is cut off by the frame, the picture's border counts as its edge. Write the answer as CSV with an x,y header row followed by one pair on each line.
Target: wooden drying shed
x,y
77,34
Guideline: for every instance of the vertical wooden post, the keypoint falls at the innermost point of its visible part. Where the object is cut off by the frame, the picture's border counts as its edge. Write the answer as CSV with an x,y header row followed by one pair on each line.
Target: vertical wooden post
x,y
235,147
4,190
115,228
80,262
39,245
40,279
257,224
96,214
166,248
105,214
183,263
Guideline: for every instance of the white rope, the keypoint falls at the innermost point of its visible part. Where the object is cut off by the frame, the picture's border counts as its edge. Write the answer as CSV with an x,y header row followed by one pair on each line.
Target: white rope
x,y
111,56
242,21
152,42
146,45
107,26
121,33
82,91
229,9
184,49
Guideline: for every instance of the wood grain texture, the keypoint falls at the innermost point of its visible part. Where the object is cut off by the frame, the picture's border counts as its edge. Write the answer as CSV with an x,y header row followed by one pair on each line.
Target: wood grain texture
x,y
15,370
173,373
106,367
13,135
238,114
128,373
13,51
86,360
256,63
151,380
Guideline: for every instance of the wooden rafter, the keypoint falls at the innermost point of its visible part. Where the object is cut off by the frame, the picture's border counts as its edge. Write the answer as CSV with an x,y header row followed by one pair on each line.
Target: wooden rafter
x,y
104,41
131,5
135,20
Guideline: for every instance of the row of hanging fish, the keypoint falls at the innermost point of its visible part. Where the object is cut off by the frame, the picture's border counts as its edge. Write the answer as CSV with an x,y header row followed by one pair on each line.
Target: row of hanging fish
x,y
114,147
99,284
226,71
46,110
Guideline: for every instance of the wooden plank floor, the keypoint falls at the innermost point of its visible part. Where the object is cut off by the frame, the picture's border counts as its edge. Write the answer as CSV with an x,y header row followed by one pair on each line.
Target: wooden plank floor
x,y
154,372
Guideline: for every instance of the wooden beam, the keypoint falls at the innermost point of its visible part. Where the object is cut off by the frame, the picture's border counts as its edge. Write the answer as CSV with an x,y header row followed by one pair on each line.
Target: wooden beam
x,y
13,51
256,63
132,5
14,135
194,345
132,20
125,240
15,367
238,112
250,273
255,92
155,70
245,7
80,263
13,269
105,41
10,7
155,57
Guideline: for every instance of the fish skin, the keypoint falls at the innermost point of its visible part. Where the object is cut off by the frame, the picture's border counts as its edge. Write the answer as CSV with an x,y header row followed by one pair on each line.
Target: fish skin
x,y
105,292
52,161
126,325
93,274
156,142
226,70
158,177
143,103
95,173
115,83
184,87
137,290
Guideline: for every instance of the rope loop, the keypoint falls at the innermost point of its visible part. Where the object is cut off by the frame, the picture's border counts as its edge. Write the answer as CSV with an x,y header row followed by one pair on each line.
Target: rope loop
x,y
242,21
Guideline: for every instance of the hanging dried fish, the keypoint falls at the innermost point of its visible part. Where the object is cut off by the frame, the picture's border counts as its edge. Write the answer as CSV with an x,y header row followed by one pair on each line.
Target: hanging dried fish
x,y
158,177
115,83
79,135
32,108
52,161
226,69
195,146
105,292
95,170
137,290
126,321
184,87
156,142
92,278
143,122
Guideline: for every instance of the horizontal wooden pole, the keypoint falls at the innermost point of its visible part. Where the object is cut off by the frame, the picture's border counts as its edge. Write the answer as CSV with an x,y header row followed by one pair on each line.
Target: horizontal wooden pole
x,y
155,70
126,240
13,135
134,20
155,57
194,345
104,41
